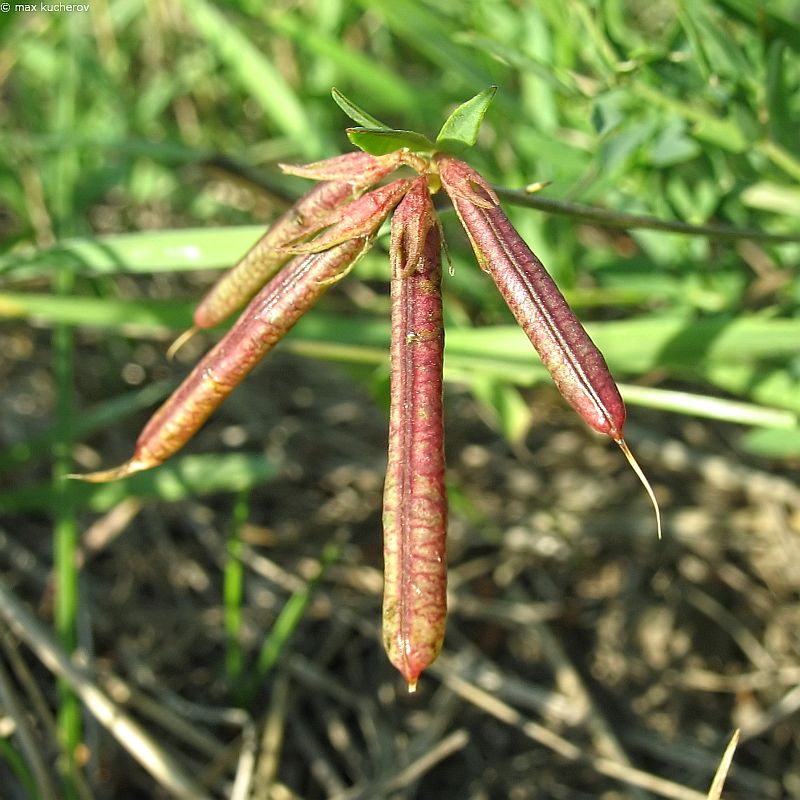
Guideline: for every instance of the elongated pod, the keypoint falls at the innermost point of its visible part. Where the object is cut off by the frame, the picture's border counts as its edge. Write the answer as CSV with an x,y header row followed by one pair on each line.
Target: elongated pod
x,y
415,502
576,365
270,315
351,174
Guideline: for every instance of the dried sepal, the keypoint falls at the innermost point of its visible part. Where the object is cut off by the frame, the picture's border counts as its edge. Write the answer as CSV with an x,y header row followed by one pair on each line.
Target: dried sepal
x,y
350,175
356,217
415,501
357,168
465,183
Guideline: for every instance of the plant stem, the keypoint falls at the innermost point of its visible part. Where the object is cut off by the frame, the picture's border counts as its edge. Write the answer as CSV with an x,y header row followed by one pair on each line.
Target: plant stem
x,y
65,529
234,590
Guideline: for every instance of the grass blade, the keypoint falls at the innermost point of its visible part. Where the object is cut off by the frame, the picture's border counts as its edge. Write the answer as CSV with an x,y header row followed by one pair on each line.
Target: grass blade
x,y
255,73
190,476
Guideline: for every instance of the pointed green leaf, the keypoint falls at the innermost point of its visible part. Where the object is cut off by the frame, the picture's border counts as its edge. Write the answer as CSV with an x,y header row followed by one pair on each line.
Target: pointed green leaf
x,y
461,127
355,113
380,141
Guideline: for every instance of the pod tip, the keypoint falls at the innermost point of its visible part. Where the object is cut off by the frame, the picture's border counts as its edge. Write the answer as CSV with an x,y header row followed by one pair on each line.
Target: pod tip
x,y
412,686
113,474
180,342
639,474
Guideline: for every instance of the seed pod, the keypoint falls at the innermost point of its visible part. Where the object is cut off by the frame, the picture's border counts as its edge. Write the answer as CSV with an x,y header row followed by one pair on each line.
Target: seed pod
x,y
415,501
348,175
270,315
576,365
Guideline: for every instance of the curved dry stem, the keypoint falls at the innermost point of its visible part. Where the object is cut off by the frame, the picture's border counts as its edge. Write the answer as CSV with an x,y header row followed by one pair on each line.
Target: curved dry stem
x,y
640,474
130,733
715,791
626,221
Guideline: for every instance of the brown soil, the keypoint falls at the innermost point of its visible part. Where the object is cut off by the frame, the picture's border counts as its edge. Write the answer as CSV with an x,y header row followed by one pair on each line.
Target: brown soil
x,y
578,644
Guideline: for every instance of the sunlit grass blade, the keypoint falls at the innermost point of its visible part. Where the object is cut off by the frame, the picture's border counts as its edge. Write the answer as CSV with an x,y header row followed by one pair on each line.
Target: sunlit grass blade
x,y
185,477
146,252
153,316
636,345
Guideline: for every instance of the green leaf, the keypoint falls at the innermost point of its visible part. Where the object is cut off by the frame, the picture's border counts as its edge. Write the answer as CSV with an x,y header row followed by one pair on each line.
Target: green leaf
x,y
131,315
778,93
380,141
144,252
672,145
774,197
189,476
291,616
355,113
502,400
462,126
772,443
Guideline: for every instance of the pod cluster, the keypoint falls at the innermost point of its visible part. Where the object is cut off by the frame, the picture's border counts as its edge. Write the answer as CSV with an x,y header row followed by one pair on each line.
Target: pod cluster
x,y
313,245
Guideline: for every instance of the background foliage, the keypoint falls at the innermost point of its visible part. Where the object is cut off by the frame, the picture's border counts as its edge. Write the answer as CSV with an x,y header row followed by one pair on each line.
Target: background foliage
x,y
138,151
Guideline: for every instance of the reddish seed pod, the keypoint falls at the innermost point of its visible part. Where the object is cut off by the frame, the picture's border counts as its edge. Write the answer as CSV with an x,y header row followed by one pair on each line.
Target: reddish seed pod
x,y
576,365
265,257
270,315
415,500
348,175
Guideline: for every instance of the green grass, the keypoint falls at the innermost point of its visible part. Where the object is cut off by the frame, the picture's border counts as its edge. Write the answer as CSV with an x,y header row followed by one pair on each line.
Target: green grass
x,y
681,111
